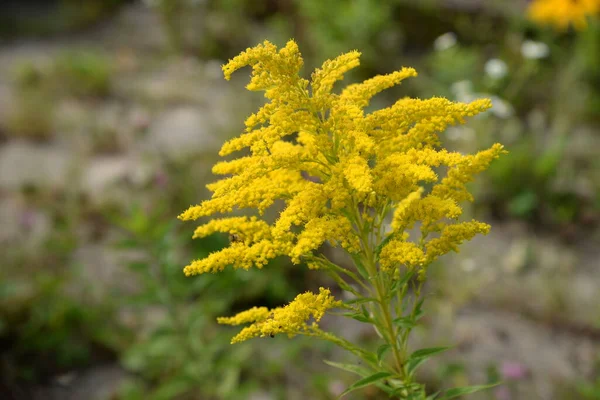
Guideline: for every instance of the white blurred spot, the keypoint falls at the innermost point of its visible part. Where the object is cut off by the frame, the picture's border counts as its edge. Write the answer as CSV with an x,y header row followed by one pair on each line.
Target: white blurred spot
x,y
445,41
534,50
496,68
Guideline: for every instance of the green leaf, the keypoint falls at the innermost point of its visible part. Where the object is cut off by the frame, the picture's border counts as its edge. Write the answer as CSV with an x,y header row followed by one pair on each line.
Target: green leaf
x,y
344,286
359,266
358,317
418,310
433,396
361,300
404,322
398,391
413,364
381,350
355,369
382,245
369,380
172,389
420,356
428,352
457,392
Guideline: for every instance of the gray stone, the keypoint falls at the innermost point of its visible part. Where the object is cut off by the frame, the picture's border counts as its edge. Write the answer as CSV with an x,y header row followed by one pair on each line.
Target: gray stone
x,y
483,337
21,224
24,164
102,175
180,133
97,383
100,271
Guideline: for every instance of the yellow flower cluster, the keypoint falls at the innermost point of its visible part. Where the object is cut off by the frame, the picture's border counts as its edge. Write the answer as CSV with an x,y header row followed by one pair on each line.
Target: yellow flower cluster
x,y
291,319
563,13
336,168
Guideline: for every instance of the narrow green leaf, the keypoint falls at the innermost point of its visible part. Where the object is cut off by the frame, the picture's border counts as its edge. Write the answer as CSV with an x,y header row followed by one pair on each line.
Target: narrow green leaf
x,y
369,380
355,369
359,266
381,350
365,311
457,392
406,277
413,364
382,245
404,322
361,300
399,391
358,317
433,396
428,352
344,286
418,310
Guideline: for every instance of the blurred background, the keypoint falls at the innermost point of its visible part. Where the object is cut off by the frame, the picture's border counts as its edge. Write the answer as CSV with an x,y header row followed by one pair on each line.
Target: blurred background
x,y
112,113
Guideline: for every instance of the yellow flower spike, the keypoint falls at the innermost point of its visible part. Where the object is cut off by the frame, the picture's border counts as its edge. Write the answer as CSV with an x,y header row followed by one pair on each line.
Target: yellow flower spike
x,y
452,236
361,93
252,315
332,71
291,319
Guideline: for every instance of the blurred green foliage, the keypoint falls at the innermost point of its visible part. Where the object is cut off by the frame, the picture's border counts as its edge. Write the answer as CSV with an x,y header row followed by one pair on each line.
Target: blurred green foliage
x,y
38,87
52,17
82,73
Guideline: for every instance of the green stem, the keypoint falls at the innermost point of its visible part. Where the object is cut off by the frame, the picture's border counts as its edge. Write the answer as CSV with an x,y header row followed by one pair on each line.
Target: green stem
x,y
376,281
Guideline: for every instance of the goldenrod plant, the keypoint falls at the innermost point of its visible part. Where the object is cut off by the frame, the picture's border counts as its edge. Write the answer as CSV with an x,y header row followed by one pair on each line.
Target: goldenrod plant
x,y
563,14
376,184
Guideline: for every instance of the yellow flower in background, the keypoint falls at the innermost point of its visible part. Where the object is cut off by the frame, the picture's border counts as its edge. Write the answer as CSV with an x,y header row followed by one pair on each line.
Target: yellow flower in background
x,y
563,13
338,171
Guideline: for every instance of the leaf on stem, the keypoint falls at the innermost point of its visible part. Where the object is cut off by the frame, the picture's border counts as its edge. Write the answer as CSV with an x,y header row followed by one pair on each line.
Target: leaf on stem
x,y
361,300
382,245
404,322
457,392
420,356
359,266
359,317
381,350
355,369
366,381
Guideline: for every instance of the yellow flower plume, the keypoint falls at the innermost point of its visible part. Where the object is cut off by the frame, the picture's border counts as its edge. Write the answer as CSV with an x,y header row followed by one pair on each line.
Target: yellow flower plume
x,y
338,171
291,319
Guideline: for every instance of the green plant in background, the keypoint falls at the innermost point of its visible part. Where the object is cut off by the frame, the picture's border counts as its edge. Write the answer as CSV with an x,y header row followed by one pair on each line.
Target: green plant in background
x,y
522,182
39,88
171,12
48,329
31,115
82,73
177,348
365,24
589,390
54,17
342,174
